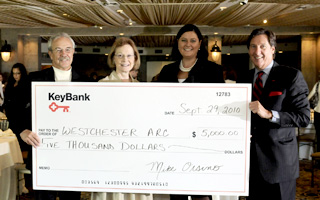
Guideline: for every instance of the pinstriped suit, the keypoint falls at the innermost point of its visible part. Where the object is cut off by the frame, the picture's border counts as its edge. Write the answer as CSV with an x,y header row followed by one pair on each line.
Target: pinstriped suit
x,y
274,150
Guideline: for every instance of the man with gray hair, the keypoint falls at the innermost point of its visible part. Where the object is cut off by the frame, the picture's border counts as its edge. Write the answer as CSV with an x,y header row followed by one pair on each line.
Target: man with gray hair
x,y
61,49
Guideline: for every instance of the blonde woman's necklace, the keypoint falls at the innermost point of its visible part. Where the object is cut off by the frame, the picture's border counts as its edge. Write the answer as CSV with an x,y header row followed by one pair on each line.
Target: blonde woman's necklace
x,y
184,69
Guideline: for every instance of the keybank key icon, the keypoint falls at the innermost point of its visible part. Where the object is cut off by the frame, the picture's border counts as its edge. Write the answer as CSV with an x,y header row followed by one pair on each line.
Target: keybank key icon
x,y
53,106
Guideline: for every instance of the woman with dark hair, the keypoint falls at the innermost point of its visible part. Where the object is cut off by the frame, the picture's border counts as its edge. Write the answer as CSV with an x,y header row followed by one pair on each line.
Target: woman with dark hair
x,y
16,101
191,55
1,91
191,66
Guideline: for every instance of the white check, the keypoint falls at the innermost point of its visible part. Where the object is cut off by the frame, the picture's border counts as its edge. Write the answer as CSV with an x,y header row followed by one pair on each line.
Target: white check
x,y
142,137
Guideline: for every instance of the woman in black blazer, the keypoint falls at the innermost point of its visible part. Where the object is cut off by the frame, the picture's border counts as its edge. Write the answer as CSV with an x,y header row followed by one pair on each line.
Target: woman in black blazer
x,y
191,66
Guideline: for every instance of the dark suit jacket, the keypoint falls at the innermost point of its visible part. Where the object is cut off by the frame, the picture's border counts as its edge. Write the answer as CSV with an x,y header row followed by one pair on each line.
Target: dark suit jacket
x,y
275,145
203,71
48,75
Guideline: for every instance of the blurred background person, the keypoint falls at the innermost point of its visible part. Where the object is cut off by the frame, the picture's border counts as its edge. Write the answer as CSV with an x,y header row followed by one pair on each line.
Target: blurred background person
x,y
134,73
155,78
123,58
229,75
93,77
191,66
316,113
1,92
16,102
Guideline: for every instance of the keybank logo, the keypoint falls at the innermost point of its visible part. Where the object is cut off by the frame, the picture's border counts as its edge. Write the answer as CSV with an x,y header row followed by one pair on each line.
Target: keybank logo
x,y
53,107
69,97
65,97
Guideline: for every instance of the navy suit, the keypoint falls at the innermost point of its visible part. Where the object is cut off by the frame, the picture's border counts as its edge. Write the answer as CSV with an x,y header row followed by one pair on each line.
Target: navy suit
x,y
274,150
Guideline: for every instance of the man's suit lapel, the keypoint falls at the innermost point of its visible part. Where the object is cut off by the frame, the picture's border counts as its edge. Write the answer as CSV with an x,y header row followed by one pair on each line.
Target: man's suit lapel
x,y
250,80
75,75
50,74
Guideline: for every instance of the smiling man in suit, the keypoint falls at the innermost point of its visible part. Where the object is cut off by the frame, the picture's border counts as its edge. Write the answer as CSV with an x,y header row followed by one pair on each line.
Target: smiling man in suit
x,y
279,105
61,50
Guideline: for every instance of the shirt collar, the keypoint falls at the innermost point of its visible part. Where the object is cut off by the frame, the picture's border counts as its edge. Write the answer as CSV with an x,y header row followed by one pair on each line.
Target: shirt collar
x,y
265,70
61,75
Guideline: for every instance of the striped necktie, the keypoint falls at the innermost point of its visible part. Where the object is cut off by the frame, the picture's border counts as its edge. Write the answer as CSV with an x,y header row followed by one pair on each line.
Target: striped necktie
x,y
258,87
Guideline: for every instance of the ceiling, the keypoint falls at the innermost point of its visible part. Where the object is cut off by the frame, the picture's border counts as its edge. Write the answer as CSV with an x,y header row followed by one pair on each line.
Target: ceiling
x,y
155,22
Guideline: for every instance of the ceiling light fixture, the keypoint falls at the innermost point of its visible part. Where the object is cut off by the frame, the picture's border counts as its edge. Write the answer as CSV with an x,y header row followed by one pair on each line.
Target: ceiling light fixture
x,y
243,2
6,51
265,21
222,8
215,48
215,52
303,7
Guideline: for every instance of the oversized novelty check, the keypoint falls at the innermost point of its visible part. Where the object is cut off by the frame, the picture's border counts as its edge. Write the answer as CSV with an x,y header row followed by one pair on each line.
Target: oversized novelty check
x,y
142,137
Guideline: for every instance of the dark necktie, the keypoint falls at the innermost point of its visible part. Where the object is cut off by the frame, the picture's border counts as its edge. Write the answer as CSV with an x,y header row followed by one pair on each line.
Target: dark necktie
x,y
258,87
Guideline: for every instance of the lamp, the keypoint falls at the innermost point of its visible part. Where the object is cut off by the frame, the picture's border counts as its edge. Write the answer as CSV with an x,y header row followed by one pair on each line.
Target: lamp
x,y
215,48
244,2
215,51
5,51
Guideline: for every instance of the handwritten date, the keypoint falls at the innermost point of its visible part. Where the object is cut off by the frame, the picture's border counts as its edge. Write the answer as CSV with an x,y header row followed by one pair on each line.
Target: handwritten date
x,y
210,109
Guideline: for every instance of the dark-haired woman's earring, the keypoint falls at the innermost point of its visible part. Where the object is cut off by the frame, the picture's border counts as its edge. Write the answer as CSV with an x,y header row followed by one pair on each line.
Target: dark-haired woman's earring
x,y
199,49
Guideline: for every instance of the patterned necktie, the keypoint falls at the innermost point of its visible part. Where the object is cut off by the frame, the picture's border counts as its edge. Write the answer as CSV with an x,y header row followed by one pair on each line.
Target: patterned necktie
x,y
258,87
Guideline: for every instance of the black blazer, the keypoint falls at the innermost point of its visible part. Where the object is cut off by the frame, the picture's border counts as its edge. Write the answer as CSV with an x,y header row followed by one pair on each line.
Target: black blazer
x,y
48,75
275,145
204,71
